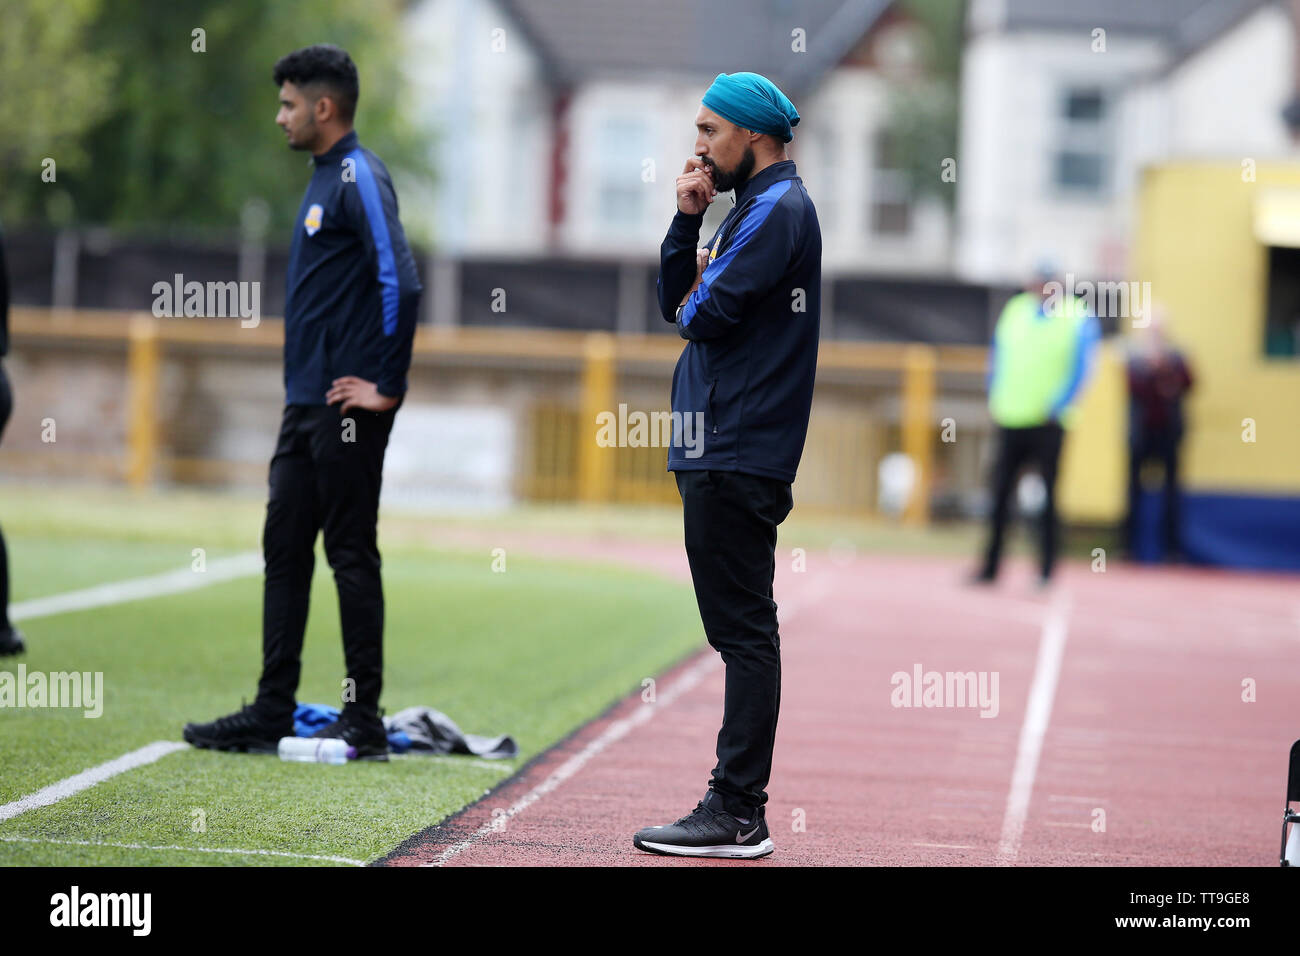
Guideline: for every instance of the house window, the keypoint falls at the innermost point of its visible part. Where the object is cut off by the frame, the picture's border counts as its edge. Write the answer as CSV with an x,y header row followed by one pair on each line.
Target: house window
x,y
1282,321
891,206
1082,159
624,146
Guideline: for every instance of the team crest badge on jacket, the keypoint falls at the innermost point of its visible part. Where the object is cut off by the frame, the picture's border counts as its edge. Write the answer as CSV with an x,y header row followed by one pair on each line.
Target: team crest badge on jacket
x,y
312,222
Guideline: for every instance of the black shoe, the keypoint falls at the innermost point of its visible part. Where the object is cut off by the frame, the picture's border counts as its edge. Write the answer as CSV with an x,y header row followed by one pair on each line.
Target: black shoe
x,y
982,577
244,730
11,642
365,732
709,830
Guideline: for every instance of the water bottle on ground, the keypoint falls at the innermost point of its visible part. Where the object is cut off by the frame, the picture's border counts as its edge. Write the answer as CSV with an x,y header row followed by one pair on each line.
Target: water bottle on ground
x,y
316,750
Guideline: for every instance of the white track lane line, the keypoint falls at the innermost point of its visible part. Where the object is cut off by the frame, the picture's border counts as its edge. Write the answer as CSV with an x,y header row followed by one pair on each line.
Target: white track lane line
x,y
188,849
618,729
1038,714
217,571
786,612
88,778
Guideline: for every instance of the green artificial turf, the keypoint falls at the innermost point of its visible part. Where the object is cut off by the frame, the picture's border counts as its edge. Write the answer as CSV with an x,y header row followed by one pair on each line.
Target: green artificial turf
x,y
534,651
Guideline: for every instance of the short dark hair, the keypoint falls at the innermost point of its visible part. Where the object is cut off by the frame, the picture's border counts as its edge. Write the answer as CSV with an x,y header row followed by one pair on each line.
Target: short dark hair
x,y
325,66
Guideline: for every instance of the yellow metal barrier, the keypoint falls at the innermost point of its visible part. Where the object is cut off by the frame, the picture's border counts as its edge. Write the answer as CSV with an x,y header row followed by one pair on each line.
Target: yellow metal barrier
x,y
872,398
144,359
595,464
918,427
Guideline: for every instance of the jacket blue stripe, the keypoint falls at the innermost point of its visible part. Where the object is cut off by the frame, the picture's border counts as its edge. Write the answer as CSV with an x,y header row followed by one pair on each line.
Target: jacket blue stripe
x,y
1085,349
374,207
757,215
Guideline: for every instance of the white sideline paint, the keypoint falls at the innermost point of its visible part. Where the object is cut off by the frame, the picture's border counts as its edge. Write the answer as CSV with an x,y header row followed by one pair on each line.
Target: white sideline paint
x,y
188,849
615,731
217,571
1038,713
88,778
619,729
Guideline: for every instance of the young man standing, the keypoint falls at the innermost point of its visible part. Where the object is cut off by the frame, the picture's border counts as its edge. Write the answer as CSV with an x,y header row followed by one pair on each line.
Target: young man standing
x,y
11,639
749,308
350,313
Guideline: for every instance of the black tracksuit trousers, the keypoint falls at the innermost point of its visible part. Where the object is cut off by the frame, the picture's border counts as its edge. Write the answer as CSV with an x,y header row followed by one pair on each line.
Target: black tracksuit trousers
x,y
730,521
1162,446
1039,446
6,409
325,476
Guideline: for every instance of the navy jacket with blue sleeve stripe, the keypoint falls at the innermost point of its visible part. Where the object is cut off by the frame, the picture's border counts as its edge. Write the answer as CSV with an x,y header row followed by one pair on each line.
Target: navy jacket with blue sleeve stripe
x,y
746,375
353,293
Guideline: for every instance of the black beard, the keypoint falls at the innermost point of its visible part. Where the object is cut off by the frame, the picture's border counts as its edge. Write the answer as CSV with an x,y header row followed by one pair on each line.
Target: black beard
x,y
302,145
727,180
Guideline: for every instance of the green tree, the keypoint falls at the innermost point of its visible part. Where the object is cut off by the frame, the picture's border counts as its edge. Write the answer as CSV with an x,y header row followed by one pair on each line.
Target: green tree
x,y
53,89
924,114
189,138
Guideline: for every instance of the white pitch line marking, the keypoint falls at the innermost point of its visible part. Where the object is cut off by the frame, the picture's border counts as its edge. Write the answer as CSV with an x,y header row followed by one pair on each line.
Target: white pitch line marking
x,y
615,731
217,570
88,778
188,849
946,846
1038,713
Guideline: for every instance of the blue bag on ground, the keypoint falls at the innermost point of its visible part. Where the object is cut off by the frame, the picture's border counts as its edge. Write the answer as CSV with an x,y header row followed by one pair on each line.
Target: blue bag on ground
x,y
418,729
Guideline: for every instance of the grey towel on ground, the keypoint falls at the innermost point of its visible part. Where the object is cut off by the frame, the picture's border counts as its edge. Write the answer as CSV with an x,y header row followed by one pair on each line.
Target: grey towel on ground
x,y
432,731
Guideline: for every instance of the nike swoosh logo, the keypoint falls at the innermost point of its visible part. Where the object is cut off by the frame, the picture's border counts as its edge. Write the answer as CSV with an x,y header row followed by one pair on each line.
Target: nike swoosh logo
x,y
742,837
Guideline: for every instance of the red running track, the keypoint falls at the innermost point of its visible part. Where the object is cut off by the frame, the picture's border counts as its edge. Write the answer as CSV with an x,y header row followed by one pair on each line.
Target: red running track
x,y
1138,724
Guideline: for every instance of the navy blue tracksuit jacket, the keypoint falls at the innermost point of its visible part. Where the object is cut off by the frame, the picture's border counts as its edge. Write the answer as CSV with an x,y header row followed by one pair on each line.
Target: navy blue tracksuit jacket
x,y
353,293
752,328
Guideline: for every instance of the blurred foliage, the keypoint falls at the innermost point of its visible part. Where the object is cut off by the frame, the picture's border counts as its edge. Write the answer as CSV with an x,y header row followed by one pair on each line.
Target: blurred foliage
x,y
924,114
53,90
923,128
944,23
149,133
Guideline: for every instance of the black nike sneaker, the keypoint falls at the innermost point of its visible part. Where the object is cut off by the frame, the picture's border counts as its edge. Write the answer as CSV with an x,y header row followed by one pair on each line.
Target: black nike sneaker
x,y
709,830
363,731
245,730
11,642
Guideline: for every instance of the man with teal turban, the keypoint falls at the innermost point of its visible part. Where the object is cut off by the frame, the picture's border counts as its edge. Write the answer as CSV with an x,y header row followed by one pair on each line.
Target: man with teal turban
x,y
753,102
748,305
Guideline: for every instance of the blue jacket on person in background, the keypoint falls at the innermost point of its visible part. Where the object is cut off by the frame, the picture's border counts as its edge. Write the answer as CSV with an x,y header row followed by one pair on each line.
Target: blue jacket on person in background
x,y
353,293
751,327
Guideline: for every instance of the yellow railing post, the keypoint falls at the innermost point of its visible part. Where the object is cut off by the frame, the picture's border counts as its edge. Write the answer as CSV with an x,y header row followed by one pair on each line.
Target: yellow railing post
x,y
595,463
144,359
917,427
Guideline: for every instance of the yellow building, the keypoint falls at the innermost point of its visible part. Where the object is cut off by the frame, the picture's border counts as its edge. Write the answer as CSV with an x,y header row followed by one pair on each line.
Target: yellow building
x,y
1219,244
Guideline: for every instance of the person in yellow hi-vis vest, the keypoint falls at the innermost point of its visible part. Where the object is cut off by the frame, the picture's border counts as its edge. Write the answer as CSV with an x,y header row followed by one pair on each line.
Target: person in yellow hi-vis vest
x,y
1042,352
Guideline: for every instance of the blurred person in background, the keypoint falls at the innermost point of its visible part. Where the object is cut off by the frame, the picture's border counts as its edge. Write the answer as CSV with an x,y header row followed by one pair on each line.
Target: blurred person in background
x,y
1158,380
749,307
349,321
11,639
1042,352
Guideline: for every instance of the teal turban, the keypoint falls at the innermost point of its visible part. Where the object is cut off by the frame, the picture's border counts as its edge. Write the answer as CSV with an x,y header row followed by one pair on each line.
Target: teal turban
x,y
752,102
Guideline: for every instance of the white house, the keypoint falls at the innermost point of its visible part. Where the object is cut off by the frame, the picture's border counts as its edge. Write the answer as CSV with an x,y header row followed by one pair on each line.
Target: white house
x,y
559,126
1064,104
